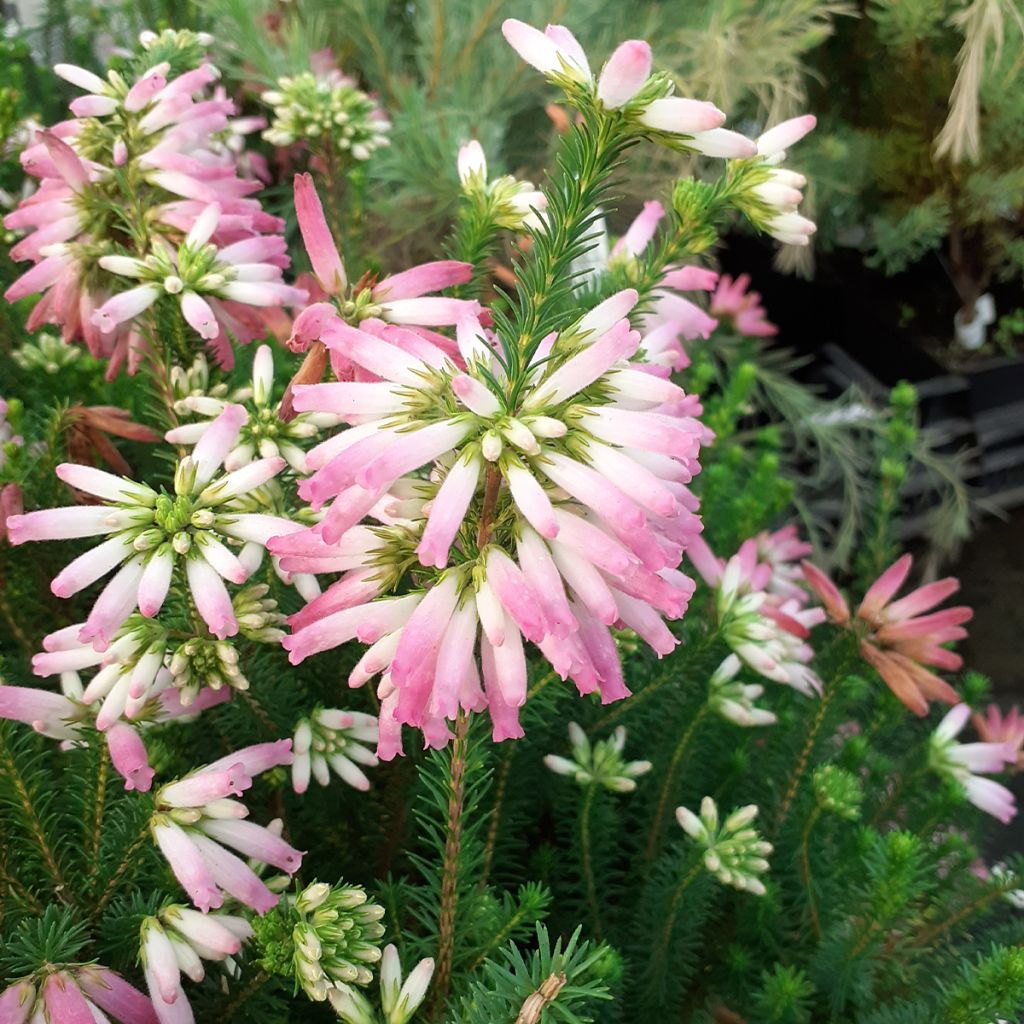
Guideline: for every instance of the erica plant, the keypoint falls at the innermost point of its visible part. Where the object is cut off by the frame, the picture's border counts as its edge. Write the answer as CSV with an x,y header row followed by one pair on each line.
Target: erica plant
x,y
432,516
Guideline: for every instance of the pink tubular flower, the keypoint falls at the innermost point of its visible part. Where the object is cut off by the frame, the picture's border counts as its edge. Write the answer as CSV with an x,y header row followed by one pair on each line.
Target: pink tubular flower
x,y
1007,728
625,84
161,134
150,535
732,301
899,638
197,814
398,299
175,943
82,997
960,761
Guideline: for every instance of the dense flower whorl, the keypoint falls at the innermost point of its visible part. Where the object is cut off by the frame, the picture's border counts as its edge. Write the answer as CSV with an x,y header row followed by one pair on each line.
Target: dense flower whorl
x,y
325,109
550,514
732,850
150,148
153,535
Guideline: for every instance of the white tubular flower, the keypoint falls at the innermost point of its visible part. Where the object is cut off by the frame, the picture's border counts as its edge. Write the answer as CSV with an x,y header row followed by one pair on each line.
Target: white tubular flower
x,y
734,700
333,740
733,852
265,434
399,1001
961,762
601,764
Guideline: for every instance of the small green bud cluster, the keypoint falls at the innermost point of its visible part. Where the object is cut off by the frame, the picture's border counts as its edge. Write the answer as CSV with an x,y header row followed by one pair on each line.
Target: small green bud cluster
x,y
323,936
733,851
838,791
326,111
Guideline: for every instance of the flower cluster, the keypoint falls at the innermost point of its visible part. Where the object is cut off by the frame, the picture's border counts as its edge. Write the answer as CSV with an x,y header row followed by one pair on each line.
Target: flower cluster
x,y
599,764
733,699
762,615
733,851
773,192
900,638
141,161
45,353
195,815
176,942
88,993
328,112
960,762
267,433
732,301
324,937
332,740
626,84
152,534
509,203
9,440
582,473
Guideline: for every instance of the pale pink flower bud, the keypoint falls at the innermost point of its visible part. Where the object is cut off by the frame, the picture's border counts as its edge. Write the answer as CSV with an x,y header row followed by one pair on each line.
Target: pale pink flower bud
x,y
783,135
682,116
128,755
624,75
472,162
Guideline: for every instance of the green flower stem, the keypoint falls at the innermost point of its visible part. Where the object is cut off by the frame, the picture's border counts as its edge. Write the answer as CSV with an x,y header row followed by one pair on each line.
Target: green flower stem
x,y
828,694
586,859
115,879
95,828
685,881
805,867
670,773
450,866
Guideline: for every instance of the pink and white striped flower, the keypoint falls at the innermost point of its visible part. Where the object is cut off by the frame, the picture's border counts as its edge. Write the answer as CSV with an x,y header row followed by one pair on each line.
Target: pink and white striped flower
x,y
151,536
961,761
767,630
176,942
196,818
